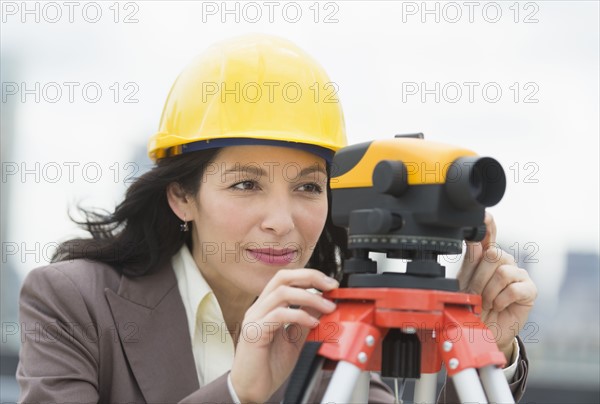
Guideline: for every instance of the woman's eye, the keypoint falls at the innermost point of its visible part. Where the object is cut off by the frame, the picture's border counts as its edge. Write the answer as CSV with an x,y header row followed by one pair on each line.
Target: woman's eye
x,y
245,185
311,188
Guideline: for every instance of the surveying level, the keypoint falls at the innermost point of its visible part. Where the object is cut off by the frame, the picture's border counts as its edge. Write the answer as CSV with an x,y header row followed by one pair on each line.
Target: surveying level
x,y
411,199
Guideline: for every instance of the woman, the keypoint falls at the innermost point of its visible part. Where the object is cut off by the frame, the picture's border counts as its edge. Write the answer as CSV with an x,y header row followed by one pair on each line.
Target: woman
x,y
184,293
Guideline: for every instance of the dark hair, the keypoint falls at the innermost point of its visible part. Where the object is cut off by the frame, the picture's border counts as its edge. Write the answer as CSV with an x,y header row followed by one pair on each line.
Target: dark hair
x,y
143,233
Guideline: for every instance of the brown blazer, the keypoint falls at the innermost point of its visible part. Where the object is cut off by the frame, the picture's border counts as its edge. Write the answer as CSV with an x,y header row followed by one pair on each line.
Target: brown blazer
x,y
91,335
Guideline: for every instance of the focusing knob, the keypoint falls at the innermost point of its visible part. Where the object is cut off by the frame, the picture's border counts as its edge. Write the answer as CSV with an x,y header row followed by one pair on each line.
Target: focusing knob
x,y
382,221
390,177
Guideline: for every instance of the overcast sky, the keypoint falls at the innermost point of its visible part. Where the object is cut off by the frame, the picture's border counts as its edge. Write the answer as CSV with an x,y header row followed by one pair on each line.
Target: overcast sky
x,y
518,81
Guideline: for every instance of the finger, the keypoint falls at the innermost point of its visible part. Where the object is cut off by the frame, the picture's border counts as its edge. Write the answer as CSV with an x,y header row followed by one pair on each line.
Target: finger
x,y
490,231
492,259
502,277
313,312
281,316
285,296
276,321
301,278
471,260
521,293
474,250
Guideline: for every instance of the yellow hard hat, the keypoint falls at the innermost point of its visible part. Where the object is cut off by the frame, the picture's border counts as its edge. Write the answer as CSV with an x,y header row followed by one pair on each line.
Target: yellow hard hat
x,y
255,89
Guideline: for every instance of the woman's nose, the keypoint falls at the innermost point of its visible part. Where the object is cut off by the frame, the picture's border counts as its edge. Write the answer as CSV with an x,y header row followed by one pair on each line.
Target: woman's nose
x,y
278,216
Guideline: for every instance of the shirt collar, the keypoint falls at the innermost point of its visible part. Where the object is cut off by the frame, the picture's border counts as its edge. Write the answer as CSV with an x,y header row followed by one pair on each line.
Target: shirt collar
x,y
191,284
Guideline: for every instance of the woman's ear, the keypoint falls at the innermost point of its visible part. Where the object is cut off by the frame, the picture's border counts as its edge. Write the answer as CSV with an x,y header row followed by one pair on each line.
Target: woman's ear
x,y
179,201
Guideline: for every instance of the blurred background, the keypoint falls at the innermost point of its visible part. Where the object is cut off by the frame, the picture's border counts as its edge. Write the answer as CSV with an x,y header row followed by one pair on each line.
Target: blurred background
x,y
83,84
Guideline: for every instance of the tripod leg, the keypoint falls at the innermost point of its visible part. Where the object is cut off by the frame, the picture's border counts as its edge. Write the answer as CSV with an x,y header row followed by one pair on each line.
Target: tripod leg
x,y
425,388
361,389
469,387
494,383
346,374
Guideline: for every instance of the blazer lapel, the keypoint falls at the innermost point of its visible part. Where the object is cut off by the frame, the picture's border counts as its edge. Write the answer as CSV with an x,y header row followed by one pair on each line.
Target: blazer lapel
x,y
152,326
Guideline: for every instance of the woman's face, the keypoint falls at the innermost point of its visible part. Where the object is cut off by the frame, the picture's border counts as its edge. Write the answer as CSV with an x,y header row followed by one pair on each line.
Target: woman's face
x,y
258,209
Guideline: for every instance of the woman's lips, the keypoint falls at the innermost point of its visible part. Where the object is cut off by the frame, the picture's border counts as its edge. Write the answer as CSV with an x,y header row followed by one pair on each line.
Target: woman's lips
x,y
273,256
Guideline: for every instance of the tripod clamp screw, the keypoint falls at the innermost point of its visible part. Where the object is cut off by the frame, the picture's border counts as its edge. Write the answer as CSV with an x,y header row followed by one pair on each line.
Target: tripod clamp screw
x,y
370,340
453,363
362,357
447,346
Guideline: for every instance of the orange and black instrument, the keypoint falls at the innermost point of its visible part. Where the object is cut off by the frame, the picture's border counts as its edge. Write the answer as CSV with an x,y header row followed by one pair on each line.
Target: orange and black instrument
x,y
411,199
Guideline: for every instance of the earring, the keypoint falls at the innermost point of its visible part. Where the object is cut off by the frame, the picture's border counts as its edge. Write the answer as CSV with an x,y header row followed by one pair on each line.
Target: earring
x,y
184,226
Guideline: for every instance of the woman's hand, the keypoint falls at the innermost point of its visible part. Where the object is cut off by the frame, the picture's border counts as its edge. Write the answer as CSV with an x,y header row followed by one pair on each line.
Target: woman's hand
x,y
267,354
507,291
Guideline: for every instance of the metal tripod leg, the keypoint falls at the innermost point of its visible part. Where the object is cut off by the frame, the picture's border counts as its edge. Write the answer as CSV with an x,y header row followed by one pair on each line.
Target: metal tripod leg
x,y
469,387
361,389
346,374
495,385
425,388
338,391
467,384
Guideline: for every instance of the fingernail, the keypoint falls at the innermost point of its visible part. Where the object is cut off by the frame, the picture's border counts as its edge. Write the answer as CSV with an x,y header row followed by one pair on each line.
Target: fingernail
x,y
329,304
332,282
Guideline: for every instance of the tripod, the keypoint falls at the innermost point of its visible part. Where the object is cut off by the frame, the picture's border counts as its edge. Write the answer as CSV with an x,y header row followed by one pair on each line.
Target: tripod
x,y
444,322
414,200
